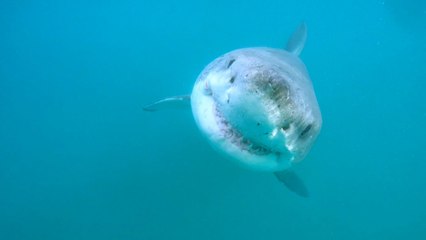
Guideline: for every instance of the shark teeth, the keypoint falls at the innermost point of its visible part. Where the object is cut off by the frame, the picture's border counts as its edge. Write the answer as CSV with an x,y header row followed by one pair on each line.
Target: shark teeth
x,y
236,138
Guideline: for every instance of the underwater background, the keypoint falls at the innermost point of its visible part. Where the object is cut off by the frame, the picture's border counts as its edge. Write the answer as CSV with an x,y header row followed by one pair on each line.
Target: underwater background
x,y
80,159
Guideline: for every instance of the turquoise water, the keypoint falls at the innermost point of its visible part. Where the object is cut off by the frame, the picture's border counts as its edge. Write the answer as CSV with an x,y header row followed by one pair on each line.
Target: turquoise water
x,y
79,159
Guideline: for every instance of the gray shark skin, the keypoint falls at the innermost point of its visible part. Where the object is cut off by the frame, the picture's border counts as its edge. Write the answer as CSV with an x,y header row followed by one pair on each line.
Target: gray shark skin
x,y
257,107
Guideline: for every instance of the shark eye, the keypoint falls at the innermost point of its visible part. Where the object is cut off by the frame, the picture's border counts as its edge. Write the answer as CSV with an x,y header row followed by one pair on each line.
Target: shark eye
x,y
285,127
232,80
230,63
306,130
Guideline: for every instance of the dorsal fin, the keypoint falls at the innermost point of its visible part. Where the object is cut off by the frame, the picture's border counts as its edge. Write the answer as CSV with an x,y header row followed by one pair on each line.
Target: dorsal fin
x,y
297,40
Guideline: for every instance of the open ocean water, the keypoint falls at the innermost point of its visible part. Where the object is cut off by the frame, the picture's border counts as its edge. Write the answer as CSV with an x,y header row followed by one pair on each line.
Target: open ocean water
x,y
79,159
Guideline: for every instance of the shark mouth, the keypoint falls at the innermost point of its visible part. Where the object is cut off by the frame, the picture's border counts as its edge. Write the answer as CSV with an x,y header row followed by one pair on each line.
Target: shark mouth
x,y
238,139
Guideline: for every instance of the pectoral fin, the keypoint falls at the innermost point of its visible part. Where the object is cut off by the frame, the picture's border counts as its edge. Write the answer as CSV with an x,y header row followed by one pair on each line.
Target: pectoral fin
x,y
292,182
297,40
183,101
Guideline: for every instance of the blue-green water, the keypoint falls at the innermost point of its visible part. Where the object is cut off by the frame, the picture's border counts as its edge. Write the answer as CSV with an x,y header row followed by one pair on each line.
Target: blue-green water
x,y
79,159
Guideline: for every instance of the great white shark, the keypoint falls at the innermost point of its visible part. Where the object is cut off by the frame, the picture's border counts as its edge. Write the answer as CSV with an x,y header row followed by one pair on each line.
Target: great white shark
x,y
257,106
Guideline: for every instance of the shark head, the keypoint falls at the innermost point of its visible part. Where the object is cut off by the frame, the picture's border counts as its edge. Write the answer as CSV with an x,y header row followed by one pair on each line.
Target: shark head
x,y
257,106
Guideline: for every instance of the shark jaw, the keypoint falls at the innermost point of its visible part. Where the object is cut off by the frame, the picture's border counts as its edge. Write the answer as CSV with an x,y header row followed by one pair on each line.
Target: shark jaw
x,y
247,103
228,140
